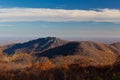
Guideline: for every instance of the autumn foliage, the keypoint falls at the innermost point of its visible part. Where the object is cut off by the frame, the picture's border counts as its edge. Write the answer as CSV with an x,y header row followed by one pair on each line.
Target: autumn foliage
x,y
59,68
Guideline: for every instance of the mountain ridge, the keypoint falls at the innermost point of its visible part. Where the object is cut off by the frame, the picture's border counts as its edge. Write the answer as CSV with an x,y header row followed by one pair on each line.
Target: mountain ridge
x,y
37,45
52,46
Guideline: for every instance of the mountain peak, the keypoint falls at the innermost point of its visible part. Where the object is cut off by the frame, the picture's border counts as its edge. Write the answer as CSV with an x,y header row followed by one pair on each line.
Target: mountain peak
x,y
35,46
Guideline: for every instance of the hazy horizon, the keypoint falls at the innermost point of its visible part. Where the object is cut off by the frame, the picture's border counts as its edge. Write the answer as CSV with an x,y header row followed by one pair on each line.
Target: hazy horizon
x,y
13,40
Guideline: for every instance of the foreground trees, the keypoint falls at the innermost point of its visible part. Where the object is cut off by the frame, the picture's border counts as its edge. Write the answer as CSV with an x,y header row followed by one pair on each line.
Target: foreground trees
x,y
46,69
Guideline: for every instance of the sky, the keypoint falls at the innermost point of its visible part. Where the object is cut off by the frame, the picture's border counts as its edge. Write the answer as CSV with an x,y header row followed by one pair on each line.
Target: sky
x,y
60,18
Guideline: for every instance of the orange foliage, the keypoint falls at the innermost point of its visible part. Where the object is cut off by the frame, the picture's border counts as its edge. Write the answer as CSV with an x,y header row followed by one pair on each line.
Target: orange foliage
x,y
43,65
6,68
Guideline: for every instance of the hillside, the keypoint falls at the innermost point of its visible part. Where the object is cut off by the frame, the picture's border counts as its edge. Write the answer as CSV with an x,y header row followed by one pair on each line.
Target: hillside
x,y
34,46
99,52
52,47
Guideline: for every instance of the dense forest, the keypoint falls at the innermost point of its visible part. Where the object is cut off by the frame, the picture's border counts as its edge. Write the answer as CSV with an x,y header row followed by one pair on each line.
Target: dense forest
x,y
47,69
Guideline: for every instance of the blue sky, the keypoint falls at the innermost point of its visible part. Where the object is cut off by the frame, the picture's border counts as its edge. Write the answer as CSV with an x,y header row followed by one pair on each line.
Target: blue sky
x,y
60,18
64,4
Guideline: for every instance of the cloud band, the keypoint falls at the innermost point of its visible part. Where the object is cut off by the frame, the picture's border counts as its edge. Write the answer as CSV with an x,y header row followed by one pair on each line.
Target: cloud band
x,y
58,15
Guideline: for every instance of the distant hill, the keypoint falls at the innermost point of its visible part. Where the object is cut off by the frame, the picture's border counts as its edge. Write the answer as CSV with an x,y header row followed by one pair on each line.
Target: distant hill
x,y
52,46
34,46
84,48
98,51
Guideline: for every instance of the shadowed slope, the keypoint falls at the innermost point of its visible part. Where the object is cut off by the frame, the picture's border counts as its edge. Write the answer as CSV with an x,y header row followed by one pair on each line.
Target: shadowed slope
x,y
35,46
98,51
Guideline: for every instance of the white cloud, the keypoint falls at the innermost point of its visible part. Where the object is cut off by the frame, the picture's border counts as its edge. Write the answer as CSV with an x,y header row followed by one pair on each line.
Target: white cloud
x,y
58,15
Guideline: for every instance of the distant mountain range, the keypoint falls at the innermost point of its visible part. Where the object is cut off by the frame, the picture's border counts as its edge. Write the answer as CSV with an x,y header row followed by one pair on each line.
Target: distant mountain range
x,y
52,46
